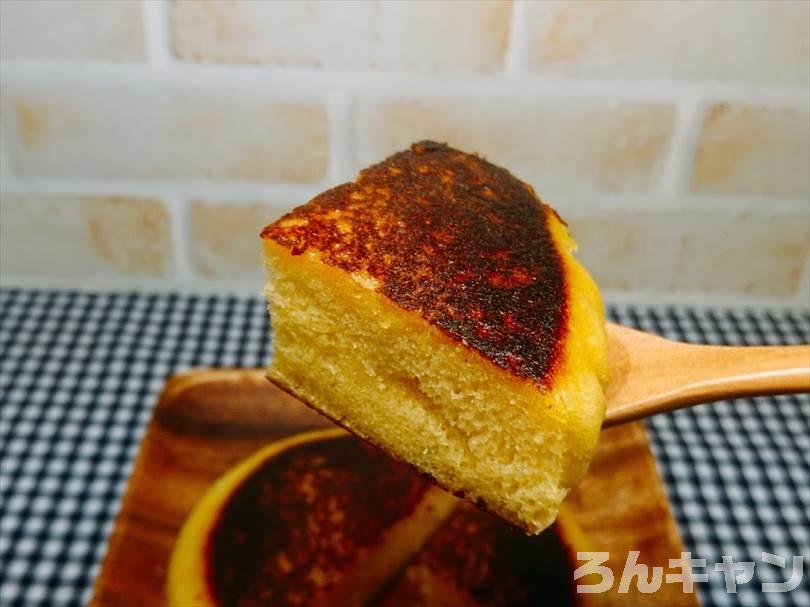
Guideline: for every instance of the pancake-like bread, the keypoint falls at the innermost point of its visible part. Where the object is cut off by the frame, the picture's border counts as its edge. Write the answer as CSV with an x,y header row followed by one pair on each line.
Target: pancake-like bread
x,y
324,519
320,519
434,308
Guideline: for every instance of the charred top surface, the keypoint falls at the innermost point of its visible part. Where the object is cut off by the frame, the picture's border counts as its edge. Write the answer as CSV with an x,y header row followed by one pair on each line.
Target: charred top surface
x,y
290,530
454,238
495,564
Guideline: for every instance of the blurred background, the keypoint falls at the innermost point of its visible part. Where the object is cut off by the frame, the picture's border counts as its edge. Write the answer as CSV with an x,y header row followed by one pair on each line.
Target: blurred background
x,y
145,143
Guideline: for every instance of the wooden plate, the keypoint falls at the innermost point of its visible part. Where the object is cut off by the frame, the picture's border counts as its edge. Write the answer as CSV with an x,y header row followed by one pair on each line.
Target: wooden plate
x,y
207,421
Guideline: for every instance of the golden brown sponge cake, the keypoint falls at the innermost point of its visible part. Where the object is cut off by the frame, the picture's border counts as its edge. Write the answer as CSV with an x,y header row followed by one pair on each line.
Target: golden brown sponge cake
x,y
325,519
434,308
319,519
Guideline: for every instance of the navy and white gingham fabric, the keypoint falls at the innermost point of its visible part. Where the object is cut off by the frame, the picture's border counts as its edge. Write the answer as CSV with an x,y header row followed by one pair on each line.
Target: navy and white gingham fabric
x,y
80,373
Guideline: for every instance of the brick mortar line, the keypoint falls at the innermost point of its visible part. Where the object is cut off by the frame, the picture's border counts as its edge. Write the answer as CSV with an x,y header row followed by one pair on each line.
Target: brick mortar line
x,y
692,203
5,159
155,14
296,82
804,283
517,49
180,227
282,196
170,284
215,191
341,138
677,175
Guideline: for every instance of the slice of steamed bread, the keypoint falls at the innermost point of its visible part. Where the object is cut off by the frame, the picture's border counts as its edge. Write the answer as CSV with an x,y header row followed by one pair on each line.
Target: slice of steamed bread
x,y
434,308
323,518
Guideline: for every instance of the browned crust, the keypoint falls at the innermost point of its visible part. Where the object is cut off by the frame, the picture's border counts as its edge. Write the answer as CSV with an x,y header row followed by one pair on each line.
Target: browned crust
x,y
494,564
300,511
454,238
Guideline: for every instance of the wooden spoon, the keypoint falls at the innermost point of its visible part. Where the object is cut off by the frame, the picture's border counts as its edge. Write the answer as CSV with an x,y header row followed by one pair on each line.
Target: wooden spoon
x,y
650,374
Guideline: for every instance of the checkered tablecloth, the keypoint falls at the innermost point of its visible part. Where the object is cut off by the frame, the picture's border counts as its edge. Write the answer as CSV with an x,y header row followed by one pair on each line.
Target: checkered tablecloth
x,y
80,373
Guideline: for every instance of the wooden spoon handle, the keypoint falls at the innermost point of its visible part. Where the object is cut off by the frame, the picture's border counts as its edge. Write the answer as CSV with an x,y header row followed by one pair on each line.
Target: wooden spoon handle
x,y
651,375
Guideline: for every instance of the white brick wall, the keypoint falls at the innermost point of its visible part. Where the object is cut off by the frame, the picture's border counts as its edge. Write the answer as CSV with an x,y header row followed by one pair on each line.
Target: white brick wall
x,y
146,142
